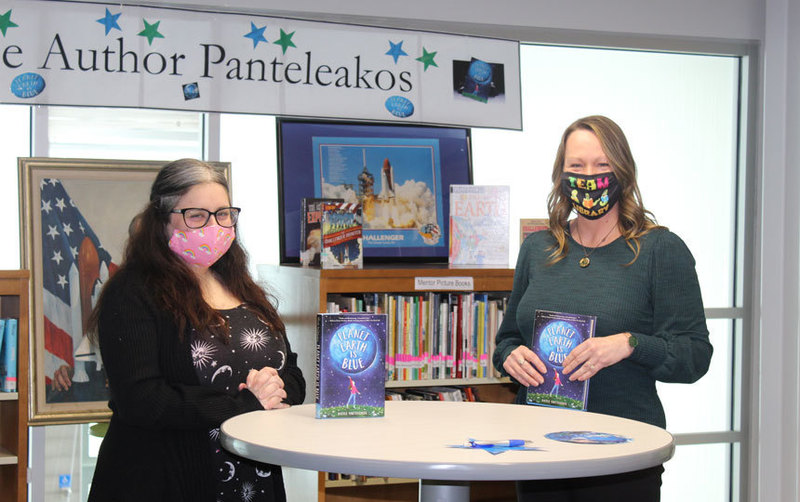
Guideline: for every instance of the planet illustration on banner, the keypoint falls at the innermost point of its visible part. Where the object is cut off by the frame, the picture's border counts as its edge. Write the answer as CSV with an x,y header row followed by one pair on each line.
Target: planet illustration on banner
x,y
399,106
191,91
353,348
27,85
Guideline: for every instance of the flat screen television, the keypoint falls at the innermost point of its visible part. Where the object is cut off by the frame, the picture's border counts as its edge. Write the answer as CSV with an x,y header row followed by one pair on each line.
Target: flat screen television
x,y
400,174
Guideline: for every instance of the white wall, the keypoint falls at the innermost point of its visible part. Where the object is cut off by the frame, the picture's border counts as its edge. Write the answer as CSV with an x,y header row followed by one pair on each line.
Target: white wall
x,y
727,19
778,430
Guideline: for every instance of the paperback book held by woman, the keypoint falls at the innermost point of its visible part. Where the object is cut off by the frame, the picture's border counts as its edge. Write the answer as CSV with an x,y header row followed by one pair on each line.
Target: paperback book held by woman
x,y
555,334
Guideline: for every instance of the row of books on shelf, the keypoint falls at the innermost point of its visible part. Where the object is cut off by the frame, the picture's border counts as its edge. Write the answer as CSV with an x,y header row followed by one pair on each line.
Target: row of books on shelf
x,y
8,355
438,393
433,335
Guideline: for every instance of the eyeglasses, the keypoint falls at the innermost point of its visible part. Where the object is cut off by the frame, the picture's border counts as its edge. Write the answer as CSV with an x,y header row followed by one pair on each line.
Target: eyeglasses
x,y
196,217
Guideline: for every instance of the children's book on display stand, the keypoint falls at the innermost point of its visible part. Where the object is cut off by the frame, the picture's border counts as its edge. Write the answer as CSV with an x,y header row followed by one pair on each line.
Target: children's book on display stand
x,y
555,334
310,229
479,224
342,245
528,226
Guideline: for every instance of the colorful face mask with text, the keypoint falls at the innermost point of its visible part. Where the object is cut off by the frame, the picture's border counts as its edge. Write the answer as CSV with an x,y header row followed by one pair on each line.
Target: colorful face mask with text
x,y
202,247
591,196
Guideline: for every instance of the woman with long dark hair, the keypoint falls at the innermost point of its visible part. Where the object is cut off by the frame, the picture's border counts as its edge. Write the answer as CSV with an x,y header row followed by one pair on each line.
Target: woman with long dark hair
x,y
188,340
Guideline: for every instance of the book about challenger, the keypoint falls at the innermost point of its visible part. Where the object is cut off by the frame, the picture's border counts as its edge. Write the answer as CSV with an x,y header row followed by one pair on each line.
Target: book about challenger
x,y
351,371
555,334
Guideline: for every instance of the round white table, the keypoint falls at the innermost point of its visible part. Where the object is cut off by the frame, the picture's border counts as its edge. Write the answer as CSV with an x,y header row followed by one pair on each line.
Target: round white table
x,y
412,440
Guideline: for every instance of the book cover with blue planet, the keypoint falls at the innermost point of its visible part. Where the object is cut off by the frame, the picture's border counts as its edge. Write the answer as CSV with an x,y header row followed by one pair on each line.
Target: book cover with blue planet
x,y
351,353
555,334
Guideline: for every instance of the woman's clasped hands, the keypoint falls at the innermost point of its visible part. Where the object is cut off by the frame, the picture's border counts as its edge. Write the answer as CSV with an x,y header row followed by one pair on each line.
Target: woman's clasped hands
x,y
581,364
267,386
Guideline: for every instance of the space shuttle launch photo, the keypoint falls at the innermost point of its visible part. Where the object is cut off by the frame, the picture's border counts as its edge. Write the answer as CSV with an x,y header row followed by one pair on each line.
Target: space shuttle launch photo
x,y
387,181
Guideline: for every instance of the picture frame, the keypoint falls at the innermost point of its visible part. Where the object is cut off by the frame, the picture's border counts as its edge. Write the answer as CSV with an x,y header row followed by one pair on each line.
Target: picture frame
x,y
400,173
75,218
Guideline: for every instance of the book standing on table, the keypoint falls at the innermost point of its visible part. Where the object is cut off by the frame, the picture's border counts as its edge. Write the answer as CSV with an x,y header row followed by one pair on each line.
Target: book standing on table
x,y
350,365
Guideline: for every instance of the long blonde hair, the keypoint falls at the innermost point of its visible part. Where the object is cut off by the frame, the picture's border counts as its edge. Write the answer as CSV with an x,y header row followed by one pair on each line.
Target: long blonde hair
x,y
634,220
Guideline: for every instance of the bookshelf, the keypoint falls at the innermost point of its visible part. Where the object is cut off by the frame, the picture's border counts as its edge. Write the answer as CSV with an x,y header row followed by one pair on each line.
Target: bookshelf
x,y
14,302
303,292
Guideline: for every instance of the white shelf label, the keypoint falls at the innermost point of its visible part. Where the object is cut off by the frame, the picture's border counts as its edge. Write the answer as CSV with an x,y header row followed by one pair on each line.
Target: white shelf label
x,y
444,283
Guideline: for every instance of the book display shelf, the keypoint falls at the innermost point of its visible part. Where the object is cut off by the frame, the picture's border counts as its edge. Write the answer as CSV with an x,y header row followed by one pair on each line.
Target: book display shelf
x,y
302,292
14,290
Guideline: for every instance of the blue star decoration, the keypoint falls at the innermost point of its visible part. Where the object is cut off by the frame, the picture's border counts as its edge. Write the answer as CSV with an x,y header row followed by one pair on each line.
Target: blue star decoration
x,y
150,31
396,50
496,447
256,34
285,40
427,59
110,21
6,22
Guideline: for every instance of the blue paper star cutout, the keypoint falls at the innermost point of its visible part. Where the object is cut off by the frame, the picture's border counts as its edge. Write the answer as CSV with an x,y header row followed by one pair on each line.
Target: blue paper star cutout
x,y
396,50
110,21
256,34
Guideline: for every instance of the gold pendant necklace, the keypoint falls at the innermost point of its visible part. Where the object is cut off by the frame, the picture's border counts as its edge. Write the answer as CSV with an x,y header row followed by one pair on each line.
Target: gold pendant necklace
x,y
585,261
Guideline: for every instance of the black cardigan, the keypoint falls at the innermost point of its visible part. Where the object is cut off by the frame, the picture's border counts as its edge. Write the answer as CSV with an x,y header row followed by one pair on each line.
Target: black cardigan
x,y
156,447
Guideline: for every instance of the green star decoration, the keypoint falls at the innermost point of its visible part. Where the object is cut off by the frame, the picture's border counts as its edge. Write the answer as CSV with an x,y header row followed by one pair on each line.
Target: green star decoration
x,y
285,40
427,59
150,31
6,22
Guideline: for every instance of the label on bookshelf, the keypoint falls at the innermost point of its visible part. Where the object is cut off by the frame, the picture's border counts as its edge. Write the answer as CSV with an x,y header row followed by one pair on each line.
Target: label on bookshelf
x,y
444,283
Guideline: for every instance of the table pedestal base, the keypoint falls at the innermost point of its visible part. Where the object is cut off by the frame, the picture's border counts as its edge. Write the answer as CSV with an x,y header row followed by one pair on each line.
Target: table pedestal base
x,y
443,491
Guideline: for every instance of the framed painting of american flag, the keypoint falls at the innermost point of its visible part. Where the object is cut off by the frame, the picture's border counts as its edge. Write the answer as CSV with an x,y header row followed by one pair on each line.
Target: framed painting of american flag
x,y
76,215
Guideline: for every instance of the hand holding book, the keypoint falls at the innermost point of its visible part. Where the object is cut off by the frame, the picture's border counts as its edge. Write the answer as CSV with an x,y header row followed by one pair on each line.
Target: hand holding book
x,y
525,366
556,336
596,353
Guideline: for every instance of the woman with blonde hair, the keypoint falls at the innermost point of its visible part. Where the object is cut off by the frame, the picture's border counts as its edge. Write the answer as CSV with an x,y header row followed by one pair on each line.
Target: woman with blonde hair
x,y
612,261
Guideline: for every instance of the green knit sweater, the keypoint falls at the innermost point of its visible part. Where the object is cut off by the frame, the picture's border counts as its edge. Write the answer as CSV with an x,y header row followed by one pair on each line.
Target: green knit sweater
x,y
657,298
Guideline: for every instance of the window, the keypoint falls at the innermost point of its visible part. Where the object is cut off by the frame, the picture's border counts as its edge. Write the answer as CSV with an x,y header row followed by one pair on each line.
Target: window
x,y
15,141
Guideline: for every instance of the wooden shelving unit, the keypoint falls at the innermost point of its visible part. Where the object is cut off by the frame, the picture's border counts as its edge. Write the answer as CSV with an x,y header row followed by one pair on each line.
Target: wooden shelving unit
x,y
14,302
303,292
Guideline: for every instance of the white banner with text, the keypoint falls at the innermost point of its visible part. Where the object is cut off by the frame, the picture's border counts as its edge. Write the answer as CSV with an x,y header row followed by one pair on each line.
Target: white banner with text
x,y
89,54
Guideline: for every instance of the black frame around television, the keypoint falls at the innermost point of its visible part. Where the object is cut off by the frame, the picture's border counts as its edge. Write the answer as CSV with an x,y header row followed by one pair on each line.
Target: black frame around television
x,y
421,159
